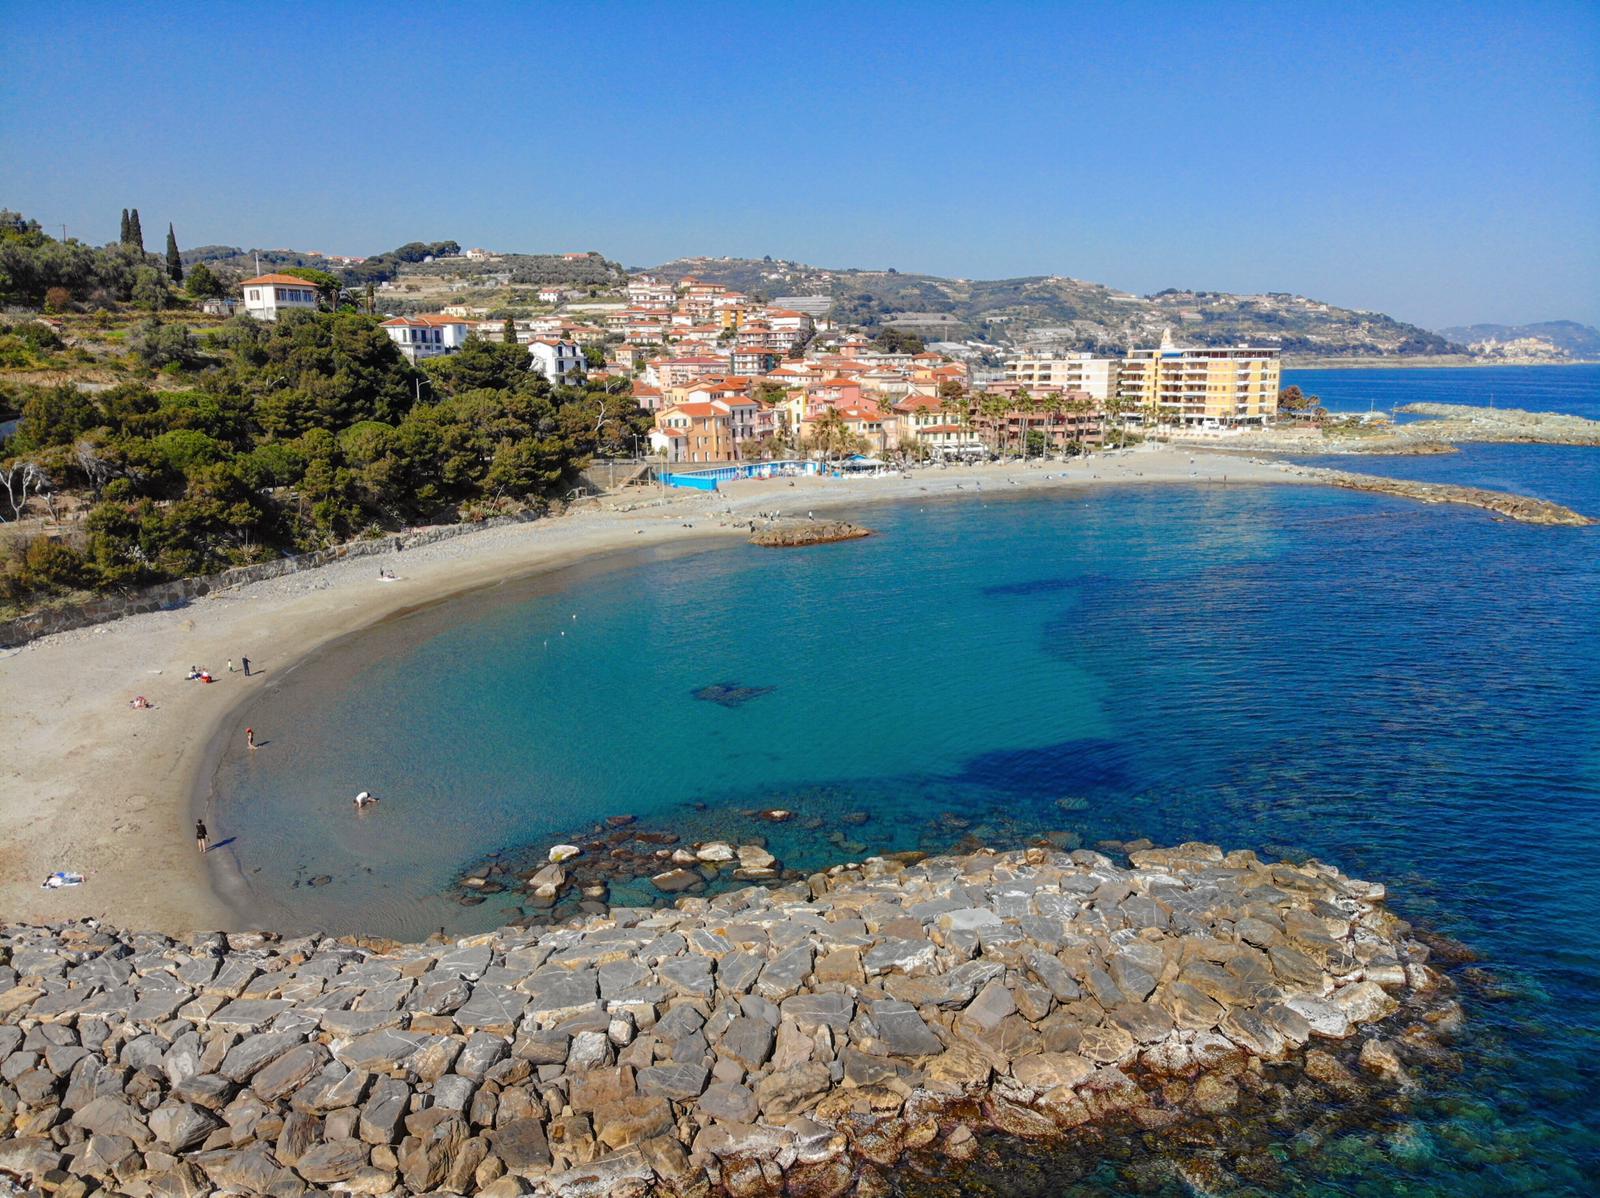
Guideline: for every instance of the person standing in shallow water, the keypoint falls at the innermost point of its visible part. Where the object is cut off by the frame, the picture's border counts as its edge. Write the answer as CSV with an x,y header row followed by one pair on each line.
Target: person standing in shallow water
x,y
201,839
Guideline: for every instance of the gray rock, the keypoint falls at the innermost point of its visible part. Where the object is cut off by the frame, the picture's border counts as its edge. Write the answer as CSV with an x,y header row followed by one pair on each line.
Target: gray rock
x,y
246,1015
784,974
452,1092
688,975
553,993
733,1103
748,1041
992,1004
810,1010
467,962
680,1080
902,1029
913,957
254,1052
497,1010
380,1052
112,1116
385,1108
737,972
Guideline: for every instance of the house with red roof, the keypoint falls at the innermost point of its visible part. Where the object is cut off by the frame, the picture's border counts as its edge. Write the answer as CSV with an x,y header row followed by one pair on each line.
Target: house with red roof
x,y
427,336
267,295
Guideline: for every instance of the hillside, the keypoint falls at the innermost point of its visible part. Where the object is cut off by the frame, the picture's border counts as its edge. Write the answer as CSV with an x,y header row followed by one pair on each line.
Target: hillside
x,y
1070,313
1558,338
560,270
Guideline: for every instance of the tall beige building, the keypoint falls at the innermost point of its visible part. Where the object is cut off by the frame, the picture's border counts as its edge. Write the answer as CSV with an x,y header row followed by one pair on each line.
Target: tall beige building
x,y
1045,372
1210,387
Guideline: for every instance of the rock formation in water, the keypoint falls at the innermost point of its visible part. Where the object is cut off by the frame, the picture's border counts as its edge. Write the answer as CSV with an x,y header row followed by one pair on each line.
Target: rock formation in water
x,y
792,533
1521,508
1515,426
796,1040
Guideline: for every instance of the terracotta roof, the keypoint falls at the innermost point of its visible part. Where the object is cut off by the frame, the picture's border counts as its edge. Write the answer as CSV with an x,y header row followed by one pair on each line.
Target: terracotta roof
x,y
284,280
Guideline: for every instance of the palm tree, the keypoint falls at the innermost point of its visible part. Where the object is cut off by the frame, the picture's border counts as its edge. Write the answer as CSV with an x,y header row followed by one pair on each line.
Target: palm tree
x,y
831,433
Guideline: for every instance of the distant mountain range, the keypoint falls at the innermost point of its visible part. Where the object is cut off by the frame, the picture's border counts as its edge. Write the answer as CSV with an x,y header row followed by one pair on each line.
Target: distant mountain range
x,y
1071,314
1564,337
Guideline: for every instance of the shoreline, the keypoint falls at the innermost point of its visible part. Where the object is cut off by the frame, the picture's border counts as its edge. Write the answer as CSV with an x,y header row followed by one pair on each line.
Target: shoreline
x,y
85,792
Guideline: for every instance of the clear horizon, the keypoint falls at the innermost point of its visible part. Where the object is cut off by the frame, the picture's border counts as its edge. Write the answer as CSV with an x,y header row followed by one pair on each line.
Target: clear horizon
x,y
1439,165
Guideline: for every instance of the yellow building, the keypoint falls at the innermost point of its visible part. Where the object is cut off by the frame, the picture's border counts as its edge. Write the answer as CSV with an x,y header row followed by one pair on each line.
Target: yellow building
x,y
1209,387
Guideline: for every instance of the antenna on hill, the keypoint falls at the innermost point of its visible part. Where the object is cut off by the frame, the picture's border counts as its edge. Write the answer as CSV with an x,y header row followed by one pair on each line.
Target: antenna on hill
x,y
258,262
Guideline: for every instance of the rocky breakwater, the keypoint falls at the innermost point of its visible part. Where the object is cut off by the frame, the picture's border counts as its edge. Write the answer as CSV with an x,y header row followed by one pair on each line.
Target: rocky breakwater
x,y
798,1040
789,534
1521,508
1460,422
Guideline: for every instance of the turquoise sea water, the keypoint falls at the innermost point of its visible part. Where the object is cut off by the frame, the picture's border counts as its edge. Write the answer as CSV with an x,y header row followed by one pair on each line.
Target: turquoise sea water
x,y
1410,692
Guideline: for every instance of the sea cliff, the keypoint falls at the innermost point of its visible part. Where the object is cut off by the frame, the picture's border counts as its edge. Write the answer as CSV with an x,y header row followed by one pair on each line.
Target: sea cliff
x,y
802,1039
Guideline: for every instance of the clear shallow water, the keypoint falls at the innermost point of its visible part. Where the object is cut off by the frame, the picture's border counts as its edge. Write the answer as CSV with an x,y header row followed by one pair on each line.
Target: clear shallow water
x,y
1411,692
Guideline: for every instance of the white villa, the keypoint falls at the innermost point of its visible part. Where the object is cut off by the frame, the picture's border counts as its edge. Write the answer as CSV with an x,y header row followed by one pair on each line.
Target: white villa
x,y
427,336
267,295
558,361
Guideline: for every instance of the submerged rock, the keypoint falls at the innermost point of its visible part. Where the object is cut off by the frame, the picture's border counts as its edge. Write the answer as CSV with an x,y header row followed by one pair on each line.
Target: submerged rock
x,y
731,694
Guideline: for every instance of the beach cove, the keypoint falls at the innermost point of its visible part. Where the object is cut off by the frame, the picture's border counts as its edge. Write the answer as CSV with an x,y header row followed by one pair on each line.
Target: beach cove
x,y
72,730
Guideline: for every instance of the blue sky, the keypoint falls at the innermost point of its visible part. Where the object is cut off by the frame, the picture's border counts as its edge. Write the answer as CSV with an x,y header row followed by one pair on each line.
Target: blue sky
x,y
1438,162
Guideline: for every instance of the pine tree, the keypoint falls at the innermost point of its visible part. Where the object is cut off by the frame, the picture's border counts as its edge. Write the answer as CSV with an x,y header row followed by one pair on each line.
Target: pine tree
x,y
174,259
122,234
135,233
509,336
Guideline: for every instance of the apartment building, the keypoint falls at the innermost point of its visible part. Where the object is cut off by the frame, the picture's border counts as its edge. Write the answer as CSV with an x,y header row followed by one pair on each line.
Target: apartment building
x,y
1044,372
1206,387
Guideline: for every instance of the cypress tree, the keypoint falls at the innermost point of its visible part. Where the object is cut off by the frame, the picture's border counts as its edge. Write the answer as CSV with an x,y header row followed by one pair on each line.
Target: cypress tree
x,y
509,336
135,233
174,259
122,234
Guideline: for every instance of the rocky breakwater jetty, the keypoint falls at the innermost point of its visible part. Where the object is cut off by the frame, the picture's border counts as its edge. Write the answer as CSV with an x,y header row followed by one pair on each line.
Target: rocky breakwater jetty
x,y
1521,508
789,534
799,1040
1461,422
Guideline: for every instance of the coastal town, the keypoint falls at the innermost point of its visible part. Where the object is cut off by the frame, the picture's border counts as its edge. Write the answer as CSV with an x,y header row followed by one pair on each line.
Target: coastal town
x,y
731,378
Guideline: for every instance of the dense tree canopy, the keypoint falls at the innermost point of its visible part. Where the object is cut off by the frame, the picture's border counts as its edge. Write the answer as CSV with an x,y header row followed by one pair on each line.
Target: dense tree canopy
x,y
33,263
289,436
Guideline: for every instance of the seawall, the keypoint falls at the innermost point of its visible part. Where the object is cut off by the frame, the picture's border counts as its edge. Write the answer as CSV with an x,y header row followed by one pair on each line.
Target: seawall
x,y
800,1040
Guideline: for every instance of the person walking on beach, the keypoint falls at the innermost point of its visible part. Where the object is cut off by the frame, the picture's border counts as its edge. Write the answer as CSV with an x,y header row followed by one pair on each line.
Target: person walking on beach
x,y
230,665
245,661
201,839
250,738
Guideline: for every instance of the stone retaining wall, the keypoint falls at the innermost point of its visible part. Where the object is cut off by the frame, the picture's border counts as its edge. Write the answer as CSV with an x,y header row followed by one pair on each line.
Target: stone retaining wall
x,y
797,1040
167,595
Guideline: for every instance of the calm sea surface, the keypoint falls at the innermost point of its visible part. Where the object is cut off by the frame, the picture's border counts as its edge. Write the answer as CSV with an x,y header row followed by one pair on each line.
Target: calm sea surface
x,y
1410,692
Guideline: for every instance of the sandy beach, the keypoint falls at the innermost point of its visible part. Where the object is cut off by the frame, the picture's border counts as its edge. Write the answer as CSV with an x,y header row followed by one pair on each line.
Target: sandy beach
x,y
92,786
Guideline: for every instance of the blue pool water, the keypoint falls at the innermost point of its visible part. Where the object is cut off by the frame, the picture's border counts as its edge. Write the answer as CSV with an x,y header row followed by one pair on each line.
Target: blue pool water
x,y
1410,692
